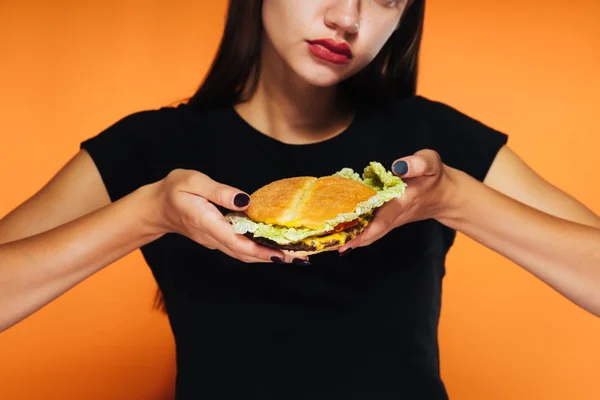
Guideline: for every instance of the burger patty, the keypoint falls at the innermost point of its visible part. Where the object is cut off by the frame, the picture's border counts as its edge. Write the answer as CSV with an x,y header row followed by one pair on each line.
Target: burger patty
x,y
350,233
291,246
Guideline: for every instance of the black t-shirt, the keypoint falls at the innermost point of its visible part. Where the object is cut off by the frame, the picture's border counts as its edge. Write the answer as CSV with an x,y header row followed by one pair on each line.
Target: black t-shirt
x,y
358,327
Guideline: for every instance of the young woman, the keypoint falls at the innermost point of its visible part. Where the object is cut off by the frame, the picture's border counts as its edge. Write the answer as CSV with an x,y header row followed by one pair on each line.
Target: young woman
x,y
298,88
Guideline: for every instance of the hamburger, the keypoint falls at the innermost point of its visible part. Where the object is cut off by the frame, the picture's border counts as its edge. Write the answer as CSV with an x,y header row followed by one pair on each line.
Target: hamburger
x,y
307,215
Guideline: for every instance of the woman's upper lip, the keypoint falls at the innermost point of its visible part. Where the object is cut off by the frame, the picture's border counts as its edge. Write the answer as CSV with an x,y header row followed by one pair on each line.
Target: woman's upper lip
x,y
334,46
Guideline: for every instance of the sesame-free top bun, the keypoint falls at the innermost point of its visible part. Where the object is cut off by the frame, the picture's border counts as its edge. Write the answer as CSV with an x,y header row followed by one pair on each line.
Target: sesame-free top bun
x,y
306,201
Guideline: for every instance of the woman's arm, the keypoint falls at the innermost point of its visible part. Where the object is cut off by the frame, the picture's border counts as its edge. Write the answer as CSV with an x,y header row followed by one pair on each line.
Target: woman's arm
x,y
37,269
510,175
562,253
63,234
75,190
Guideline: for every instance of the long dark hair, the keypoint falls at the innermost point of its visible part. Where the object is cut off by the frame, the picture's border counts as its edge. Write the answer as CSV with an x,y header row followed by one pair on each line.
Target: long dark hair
x,y
232,77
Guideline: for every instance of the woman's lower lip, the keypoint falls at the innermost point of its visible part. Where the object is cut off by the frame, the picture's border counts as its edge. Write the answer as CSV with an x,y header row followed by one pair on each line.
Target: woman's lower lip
x,y
328,55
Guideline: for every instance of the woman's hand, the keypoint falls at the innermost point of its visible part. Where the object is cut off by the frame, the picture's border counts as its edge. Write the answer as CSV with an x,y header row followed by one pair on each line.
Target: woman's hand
x,y
425,197
185,206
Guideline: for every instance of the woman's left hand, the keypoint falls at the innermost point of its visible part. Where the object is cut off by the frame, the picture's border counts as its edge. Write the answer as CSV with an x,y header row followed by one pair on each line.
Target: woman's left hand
x,y
426,195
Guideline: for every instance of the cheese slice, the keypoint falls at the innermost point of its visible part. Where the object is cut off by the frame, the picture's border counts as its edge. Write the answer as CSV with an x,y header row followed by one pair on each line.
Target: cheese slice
x,y
320,242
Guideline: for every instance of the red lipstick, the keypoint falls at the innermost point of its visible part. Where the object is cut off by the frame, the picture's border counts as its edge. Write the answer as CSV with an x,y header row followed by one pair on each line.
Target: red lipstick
x,y
330,50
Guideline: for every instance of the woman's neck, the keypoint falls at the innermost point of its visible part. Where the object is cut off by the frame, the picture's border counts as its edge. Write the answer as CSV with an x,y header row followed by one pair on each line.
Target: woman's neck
x,y
287,108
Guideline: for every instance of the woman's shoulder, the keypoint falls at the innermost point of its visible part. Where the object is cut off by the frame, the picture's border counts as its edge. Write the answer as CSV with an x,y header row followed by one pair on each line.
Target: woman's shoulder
x,y
142,123
167,123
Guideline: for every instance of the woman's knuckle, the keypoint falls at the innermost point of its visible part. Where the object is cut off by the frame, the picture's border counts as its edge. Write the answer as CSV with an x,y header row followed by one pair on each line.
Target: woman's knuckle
x,y
233,245
173,174
220,194
199,238
254,253
190,219
247,259
189,179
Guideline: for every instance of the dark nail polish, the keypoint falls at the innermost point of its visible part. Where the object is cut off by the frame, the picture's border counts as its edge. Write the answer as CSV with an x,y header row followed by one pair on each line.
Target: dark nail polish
x,y
277,260
298,261
400,168
241,200
346,252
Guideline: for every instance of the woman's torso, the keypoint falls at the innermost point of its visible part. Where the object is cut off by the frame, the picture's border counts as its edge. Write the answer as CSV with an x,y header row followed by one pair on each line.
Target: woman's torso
x,y
362,326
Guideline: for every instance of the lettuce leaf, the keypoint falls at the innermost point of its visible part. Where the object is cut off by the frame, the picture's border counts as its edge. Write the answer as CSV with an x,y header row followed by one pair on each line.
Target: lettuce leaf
x,y
387,185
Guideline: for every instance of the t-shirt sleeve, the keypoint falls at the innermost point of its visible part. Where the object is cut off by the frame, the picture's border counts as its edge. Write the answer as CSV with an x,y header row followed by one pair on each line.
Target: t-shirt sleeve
x,y
463,142
123,152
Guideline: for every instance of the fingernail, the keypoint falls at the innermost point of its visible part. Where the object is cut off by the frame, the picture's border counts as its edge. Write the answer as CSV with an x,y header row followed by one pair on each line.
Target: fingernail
x,y
277,260
346,252
400,168
298,261
241,200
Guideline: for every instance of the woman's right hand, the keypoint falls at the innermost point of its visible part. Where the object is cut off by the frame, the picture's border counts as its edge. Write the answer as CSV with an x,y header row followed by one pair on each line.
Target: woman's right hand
x,y
186,205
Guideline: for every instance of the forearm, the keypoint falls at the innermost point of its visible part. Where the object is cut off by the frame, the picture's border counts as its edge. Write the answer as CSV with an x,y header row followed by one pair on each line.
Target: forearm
x,y
563,254
38,269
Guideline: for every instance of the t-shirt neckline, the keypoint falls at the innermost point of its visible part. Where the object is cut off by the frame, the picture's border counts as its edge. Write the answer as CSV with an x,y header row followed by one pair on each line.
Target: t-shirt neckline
x,y
270,141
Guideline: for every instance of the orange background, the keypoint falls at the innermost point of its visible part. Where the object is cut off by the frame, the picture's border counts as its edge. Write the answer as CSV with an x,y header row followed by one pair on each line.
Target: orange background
x,y
527,68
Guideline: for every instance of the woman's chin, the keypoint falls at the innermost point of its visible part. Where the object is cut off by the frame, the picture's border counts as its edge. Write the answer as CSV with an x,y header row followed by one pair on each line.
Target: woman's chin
x,y
321,76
